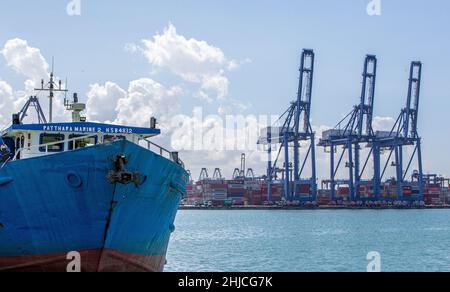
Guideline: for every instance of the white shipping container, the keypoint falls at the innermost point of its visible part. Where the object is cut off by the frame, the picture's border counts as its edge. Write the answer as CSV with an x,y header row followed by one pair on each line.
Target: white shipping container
x,y
329,133
385,134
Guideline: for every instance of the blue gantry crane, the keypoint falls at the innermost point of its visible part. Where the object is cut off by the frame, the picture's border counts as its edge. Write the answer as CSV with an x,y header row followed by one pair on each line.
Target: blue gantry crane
x,y
405,134
296,128
354,131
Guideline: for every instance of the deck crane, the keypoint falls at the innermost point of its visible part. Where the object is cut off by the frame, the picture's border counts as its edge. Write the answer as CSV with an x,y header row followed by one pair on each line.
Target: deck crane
x,y
217,174
357,131
405,134
33,102
295,129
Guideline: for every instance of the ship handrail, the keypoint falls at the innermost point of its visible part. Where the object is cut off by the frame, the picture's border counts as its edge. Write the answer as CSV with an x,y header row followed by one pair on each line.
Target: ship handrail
x,y
173,156
4,163
47,145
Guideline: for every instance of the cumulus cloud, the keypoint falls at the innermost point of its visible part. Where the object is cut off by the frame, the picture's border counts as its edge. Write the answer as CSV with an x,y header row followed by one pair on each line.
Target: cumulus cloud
x,y
193,60
31,64
25,60
144,98
383,123
189,58
6,101
217,133
227,160
147,98
102,101
217,141
216,85
232,106
206,66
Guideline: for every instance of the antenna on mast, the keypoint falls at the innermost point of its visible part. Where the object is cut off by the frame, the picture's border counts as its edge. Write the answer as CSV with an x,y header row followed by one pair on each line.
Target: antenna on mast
x,y
51,87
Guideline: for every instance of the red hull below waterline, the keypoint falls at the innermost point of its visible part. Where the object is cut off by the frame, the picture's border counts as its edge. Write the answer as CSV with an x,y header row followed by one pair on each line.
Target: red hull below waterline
x,y
91,261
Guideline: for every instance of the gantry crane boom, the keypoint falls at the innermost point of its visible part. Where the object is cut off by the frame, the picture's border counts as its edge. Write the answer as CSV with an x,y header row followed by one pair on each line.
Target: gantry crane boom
x,y
296,127
404,134
354,134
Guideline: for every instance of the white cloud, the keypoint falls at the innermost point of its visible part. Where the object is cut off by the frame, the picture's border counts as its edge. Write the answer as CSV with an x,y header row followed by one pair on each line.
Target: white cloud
x,y
383,123
199,63
102,101
25,60
216,133
231,106
193,60
6,100
215,141
215,84
12,102
147,98
189,58
144,98
30,63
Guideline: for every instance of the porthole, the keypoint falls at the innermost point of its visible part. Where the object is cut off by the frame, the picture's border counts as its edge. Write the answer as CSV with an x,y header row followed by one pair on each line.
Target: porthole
x,y
73,179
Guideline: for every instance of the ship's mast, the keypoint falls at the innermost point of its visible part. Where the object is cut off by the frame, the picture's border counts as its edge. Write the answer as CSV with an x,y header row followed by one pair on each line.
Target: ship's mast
x,y
51,87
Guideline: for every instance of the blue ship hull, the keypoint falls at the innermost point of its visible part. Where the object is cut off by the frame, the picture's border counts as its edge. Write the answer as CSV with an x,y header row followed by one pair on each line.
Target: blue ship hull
x,y
56,204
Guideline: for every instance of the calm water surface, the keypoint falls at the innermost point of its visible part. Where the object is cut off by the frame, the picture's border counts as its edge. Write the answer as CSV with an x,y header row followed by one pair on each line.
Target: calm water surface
x,y
336,240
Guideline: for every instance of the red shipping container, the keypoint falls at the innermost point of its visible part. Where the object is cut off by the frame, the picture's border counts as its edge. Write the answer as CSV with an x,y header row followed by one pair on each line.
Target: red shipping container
x,y
407,191
305,188
343,191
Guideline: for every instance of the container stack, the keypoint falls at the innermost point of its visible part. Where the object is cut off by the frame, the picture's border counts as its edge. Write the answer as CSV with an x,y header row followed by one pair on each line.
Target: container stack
x,y
343,193
277,191
190,193
252,191
198,193
254,195
446,194
218,190
433,195
305,189
236,191
324,197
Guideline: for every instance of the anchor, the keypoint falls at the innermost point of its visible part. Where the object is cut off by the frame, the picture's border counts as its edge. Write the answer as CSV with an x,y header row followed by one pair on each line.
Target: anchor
x,y
121,175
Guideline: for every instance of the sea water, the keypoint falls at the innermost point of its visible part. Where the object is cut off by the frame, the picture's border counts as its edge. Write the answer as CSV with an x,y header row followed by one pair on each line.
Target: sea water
x,y
328,240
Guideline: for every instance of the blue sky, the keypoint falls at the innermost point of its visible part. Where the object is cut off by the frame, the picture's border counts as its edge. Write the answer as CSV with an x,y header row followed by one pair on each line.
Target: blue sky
x,y
91,49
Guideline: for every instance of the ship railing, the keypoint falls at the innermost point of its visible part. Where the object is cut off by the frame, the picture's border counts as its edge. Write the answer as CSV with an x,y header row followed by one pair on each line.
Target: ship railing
x,y
173,156
151,146
4,163
47,145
